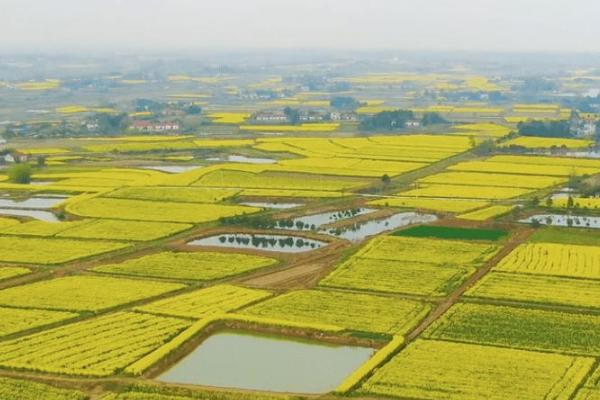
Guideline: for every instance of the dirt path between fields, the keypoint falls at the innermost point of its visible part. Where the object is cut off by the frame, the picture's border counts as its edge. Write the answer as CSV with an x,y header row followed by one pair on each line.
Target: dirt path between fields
x,y
299,276
515,240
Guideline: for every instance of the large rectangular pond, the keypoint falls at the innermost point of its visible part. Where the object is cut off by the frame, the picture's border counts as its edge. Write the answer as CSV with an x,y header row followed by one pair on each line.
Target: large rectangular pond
x,y
265,362
281,243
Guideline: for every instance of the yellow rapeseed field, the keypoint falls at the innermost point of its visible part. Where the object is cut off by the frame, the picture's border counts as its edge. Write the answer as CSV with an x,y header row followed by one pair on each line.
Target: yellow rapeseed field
x,y
203,266
94,347
91,293
477,372
531,142
553,259
445,205
347,310
207,302
486,213
143,210
51,251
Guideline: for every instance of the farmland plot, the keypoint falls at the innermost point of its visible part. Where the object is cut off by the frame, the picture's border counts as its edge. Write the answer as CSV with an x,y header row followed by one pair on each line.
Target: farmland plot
x,y
95,347
143,210
445,370
202,266
441,252
538,289
207,302
13,320
27,390
444,205
51,251
553,259
174,194
80,293
396,276
11,272
520,328
351,311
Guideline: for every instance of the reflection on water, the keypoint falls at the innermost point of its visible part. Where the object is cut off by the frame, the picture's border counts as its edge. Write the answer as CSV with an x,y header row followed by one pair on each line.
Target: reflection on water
x,y
576,221
36,214
278,206
361,230
32,202
250,160
244,159
283,243
173,169
312,222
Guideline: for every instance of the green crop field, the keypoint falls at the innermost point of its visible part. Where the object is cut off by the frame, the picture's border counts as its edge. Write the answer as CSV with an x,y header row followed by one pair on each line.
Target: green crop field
x,y
445,232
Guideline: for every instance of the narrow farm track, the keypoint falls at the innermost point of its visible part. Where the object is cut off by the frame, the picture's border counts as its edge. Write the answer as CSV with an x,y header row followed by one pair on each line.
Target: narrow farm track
x,y
515,240
302,275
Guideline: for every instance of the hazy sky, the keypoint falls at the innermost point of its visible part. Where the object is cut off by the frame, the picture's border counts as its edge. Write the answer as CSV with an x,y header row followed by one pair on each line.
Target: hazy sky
x,y
496,25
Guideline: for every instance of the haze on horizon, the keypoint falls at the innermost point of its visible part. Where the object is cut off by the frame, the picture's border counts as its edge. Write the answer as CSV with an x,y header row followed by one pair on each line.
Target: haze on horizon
x,y
180,25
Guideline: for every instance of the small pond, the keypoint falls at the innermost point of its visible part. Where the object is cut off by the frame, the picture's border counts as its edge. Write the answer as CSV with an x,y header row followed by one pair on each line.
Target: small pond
x,y
317,220
269,363
173,169
281,243
35,214
250,160
576,221
37,203
244,159
361,230
277,206
583,154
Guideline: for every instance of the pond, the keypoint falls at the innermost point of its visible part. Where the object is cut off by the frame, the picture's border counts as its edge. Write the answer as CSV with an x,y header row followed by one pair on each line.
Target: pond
x,y
35,214
576,221
37,203
250,160
280,243
277,206
244,159
266,362
173,169
584,154
317,220
361,230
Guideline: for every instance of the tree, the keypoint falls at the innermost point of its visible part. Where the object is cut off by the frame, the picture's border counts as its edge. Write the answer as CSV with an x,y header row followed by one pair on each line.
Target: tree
x,y
535,201
570,202
432,118
112,123
549,202
545,128
148,105
292,115
20,173
193,110
485,147
344,103
387,121
41,161
385,179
